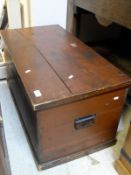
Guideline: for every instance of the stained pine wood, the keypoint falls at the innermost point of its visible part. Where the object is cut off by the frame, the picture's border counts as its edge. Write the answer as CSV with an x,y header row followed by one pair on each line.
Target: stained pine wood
x,y
123,165
56,61
126,146
75,84
52,134
121,169
64,139
26,57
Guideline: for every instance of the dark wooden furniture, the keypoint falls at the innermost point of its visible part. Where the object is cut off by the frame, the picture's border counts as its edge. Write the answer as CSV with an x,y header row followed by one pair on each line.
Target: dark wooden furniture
x,y
106,11
69,97
4,160
123,164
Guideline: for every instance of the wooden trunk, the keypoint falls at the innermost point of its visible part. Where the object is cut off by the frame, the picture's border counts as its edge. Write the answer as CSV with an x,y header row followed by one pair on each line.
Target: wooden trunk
x,y
69,97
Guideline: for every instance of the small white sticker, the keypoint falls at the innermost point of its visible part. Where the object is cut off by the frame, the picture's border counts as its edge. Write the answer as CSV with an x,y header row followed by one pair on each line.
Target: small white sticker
x,y
37,93
73,44
116,98
70,77
27,71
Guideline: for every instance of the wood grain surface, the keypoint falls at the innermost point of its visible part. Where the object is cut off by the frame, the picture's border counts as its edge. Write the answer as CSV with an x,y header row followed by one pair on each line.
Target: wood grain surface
x,y
52,133
58,135
125,157
121,169
62,67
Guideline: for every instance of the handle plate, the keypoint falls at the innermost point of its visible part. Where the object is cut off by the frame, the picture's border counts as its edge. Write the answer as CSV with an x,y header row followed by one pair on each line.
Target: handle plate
x,y
83,122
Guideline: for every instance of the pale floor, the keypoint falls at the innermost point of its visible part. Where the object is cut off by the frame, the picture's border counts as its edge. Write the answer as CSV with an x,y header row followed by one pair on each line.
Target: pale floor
x,y
21,159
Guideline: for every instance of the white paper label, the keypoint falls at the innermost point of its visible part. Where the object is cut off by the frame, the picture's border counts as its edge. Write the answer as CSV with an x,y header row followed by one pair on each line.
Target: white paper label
x,y
73,44
116,98
37,93
71,76
27,71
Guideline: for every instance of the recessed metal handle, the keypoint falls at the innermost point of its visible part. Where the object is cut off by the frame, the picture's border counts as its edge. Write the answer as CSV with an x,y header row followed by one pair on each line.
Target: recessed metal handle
x,y
83,122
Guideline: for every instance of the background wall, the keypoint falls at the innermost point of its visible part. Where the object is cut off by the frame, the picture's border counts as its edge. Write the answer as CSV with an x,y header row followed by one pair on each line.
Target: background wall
x,y
36,12
1,5
46,12
26,12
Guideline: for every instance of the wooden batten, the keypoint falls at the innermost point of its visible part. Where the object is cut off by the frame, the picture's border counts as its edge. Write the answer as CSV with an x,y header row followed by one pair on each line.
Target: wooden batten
x,y
123,164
